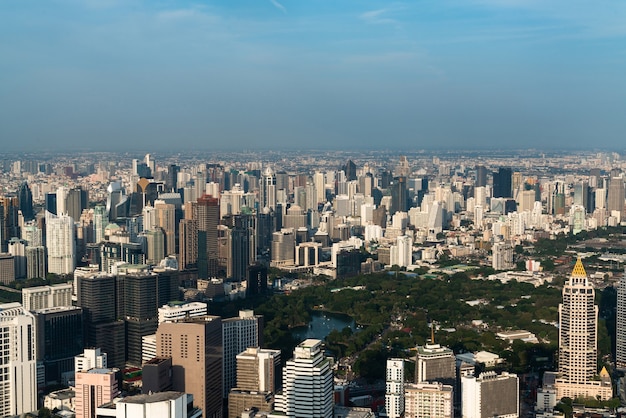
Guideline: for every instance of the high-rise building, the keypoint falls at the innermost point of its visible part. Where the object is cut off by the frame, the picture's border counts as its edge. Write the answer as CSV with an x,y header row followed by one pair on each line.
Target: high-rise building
x,y
94,388
502,256
18,376
176,311
76,200
399,195
59,338
267,195
502,182
283,247
490,395
60,244
394,393
35,262
97,296
17,248
578,340
615,201
25,198
207,214
578,335
481,176
100,222
166,220
307,383
435,363
258,378
620,325
238,333
432,400
188,244
195,346
7,268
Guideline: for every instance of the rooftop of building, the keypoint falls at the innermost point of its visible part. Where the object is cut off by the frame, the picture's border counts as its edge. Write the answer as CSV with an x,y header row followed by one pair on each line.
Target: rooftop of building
x,y
153,397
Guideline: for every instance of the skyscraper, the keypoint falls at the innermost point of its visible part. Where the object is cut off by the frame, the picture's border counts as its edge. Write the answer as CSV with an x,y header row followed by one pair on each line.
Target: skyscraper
x,y
620,325
18,376
394,393
307,383
60,244
578,340
238,334
399,195
267,195
615,200
195,346
502,182
481,176
578,335
207,214
25,198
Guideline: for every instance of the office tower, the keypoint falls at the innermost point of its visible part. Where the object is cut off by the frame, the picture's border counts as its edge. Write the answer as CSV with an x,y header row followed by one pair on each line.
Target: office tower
x,y
59,338
402,253
97,296
25,198
139,297
117,201
42,297
435,363
283,247
399,195
490,395
18,376
307,383
17,248
502,256
242,246
155,241
238,334
434,400
35,262
60,244
166,220
157,405
95,387
91,358
256,279
9,222
188,244
581,194
50,204
172,176
150,163
350,169
267,191
76,200
620,325
615,201
100,222
7,268
207,214
526,200
481,176
195,346
502,182
578,316
394,393
258,378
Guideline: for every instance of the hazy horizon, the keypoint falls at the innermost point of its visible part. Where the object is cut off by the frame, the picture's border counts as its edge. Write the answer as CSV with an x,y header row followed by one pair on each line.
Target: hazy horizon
x,y
111,75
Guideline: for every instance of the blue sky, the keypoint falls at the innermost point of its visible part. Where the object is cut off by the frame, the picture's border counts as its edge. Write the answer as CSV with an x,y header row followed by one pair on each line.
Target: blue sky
x,y
134,74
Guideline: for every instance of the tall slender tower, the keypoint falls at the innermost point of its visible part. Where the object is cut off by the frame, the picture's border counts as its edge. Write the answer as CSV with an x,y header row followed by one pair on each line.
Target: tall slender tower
x,y
578,331
238,334
620,343
60,244
394,396
207,214
18,376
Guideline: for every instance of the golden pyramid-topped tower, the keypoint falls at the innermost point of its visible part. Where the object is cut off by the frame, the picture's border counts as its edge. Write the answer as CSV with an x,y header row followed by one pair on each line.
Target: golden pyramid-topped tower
x,y
579,269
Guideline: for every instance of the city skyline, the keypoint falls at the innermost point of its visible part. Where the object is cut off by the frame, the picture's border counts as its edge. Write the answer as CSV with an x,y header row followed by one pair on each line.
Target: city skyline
x,y
104,75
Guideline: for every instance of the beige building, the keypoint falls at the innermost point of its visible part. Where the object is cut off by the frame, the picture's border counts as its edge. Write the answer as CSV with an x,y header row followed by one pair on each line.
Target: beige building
x,y
195,346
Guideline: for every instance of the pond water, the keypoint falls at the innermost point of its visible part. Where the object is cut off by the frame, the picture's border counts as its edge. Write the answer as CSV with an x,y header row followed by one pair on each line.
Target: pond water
x,y
322,323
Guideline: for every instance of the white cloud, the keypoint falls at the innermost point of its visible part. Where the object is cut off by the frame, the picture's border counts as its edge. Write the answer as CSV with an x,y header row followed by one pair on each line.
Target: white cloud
x,y
278,6
377,17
